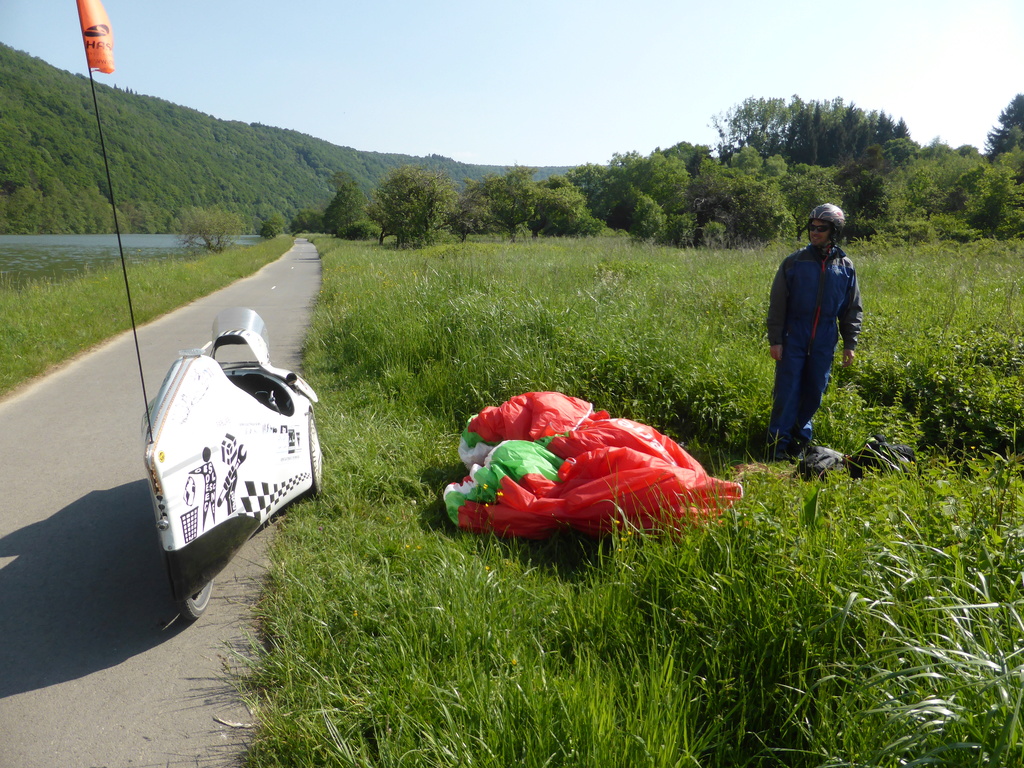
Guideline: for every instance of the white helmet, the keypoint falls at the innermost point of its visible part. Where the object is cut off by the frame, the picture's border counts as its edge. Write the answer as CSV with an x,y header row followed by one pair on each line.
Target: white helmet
x,y
833,214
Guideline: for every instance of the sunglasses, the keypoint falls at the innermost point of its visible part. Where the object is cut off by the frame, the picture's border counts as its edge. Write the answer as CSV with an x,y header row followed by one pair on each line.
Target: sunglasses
x,y
818,227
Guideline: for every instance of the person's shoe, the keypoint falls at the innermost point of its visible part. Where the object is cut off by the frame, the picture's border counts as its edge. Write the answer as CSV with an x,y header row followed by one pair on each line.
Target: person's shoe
x,y
798,446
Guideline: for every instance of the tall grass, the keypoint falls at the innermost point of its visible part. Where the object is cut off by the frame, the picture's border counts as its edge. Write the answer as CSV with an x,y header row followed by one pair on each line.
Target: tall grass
x,y
654,334
49,321
841,623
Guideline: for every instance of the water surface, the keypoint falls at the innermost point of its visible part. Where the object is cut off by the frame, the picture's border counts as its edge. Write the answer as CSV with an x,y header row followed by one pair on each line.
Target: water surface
x,y
53,257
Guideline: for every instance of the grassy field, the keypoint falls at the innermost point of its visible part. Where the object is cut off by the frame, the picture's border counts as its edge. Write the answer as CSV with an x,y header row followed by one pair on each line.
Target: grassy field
x,y
48,322
834,623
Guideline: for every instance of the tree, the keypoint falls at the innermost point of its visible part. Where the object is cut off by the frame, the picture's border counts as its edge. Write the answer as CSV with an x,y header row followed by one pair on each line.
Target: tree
x,y
748,161
1010,133
708,196
899,152
806,187
943,191
760,214
735,208
865,192
272,226
413,204
307,220
470,215
662,176
649,219
347,206
692,155
511,199
817,133
213,229
561,210
757,123
775,166
995,204
1014,160
590,179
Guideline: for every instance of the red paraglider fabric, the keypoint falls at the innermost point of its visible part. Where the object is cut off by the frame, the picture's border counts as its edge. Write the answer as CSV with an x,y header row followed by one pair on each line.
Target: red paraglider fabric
x,y
530,416
610,472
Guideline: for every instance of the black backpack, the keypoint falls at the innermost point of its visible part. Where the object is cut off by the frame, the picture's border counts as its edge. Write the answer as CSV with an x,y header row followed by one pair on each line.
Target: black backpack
x,y
879,454
817,461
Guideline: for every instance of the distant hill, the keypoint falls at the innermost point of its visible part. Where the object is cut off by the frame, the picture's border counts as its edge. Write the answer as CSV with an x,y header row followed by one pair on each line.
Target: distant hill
x,y
164,158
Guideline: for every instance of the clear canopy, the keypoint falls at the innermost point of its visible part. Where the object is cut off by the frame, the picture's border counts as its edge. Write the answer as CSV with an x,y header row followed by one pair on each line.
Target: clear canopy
x,y
241,326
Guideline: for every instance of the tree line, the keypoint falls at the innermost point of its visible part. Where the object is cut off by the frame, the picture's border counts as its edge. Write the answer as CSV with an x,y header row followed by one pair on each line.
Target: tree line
x,y
754,187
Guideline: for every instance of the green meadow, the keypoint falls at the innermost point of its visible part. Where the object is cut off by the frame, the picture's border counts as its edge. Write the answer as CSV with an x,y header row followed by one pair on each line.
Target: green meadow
x,y
842,622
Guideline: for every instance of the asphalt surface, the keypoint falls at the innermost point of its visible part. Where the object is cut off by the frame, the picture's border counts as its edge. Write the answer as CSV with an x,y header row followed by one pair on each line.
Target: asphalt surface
x,y
93,669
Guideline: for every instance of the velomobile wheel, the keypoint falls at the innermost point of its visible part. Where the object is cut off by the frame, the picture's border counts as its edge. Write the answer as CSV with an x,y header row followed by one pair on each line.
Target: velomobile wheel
x,y
316,458
191,608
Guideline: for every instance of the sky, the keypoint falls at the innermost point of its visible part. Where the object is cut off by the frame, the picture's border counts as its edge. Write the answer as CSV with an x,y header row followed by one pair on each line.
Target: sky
x,y
545,82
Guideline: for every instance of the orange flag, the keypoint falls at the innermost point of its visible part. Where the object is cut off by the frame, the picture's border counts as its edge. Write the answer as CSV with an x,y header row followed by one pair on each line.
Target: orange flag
x,y
97,35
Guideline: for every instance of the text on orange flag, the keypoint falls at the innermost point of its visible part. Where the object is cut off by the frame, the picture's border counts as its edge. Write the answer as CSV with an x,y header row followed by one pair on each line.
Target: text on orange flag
x,y
97,34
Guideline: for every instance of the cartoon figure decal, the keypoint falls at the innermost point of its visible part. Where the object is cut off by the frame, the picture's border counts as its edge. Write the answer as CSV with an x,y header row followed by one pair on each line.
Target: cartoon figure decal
x,y
208,476
233,455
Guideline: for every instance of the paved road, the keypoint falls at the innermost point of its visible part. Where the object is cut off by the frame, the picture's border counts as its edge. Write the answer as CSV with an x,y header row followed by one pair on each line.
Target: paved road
x,y
90,672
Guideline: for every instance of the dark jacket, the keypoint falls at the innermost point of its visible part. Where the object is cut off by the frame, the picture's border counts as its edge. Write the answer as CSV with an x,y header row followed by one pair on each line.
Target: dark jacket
x,y
811,293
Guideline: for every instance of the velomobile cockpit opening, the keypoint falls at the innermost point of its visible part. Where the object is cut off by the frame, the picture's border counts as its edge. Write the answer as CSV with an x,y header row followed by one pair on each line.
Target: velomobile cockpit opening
x,y
265,388
241,345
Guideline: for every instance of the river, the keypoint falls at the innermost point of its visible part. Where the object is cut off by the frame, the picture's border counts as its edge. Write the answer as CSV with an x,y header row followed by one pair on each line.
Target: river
x,y
24,258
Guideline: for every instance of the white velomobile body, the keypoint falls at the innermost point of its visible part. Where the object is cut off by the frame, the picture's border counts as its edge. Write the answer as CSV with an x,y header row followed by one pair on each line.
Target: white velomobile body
x,y
231,444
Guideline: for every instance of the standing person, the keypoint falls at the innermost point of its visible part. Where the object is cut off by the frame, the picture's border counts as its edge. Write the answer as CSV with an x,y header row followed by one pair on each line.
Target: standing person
x,y
814,294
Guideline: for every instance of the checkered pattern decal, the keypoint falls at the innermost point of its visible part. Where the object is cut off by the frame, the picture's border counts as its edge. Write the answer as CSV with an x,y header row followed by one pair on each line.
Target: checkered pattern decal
x,y
259,497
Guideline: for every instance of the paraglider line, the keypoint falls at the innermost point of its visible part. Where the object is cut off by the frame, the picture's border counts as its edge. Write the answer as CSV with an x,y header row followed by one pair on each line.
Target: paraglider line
x,y
120,249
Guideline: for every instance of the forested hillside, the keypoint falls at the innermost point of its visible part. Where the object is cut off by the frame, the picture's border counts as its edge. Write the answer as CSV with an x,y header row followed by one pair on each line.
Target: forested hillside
x,y
164,158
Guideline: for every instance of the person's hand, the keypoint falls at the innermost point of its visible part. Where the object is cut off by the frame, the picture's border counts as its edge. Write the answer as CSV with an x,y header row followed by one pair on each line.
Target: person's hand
x,y
848,356
775,350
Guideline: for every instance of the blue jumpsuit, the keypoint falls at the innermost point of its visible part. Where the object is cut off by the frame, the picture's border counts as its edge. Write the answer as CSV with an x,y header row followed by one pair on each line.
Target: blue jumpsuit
x,y
814,299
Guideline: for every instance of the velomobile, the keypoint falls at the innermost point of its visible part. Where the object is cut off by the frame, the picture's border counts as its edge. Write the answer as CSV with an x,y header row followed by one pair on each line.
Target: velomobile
x,y
229,441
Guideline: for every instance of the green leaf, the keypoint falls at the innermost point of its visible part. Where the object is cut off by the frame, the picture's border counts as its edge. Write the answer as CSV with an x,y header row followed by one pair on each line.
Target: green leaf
x,y
809,513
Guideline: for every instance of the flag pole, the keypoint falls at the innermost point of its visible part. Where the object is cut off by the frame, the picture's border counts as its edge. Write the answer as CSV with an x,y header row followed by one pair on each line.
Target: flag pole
x,y
98,37
120,249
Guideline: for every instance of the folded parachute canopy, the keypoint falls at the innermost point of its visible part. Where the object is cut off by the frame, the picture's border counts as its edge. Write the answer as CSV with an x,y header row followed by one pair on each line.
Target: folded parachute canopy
x,y
544,461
